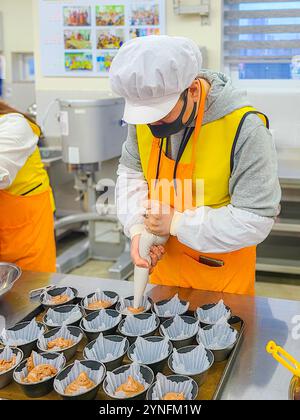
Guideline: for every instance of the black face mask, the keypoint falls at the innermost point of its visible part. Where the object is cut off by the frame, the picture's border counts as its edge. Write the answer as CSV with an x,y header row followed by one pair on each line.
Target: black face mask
x,y
166,130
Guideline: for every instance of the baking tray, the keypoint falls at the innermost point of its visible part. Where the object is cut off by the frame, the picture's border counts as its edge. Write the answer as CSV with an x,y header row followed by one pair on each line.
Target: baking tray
x,y
211,390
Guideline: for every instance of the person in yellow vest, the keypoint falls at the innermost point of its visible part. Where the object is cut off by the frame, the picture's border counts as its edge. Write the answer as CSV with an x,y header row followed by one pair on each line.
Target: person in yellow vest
x,y
202,158
26,201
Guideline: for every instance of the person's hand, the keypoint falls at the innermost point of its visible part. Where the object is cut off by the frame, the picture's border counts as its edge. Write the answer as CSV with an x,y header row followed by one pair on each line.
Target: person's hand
x,y
156,254
158,218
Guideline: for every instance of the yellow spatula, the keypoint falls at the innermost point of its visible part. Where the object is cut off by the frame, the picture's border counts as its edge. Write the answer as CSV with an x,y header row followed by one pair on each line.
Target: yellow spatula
x,y
283,357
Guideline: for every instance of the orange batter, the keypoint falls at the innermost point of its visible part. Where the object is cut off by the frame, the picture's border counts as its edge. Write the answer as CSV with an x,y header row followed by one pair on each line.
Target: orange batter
x,y
57,300
60,342
82,382
99,304
29,363
7,364
40,372
136,310
173,396
131,387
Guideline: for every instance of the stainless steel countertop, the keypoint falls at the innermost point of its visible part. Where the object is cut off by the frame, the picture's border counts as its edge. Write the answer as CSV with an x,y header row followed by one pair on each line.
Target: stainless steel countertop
x,y
255,374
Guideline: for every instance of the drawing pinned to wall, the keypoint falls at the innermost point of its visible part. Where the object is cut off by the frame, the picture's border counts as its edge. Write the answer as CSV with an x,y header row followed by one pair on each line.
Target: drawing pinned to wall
x,y
77,16
144,13
81,37
110,15
110,39
137,32
78,62
104,61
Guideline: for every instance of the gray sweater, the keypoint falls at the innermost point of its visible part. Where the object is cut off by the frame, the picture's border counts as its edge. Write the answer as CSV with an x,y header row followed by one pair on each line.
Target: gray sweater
x,y
254,184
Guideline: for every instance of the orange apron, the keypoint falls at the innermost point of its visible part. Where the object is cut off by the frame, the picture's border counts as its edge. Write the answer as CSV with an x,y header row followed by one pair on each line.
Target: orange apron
x,y
180,265
27,231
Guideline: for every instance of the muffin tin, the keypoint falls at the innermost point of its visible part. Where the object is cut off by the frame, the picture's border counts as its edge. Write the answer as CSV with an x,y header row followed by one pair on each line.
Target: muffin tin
x,y
118,365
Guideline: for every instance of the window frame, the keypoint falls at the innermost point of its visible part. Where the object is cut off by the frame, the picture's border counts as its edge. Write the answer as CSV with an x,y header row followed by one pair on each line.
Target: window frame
x,y
232,71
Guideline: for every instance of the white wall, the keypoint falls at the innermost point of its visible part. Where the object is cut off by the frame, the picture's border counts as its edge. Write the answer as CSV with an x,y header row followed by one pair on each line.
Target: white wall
x,y
48,88
210,36
18,37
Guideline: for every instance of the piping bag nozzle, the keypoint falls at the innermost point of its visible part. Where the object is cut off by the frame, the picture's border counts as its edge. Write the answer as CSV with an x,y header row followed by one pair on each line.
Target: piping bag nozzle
x,y
141,274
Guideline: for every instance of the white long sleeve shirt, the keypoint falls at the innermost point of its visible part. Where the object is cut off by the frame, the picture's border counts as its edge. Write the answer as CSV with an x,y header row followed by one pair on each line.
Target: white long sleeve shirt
x,y
17,143
205,229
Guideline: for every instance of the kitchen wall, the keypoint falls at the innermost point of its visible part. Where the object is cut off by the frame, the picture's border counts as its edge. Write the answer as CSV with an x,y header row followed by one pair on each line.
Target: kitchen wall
x,y
48,89
17,19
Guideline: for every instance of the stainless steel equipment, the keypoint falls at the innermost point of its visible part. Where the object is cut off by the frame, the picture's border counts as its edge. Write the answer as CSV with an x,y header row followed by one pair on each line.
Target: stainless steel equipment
x,y
92,133
9,274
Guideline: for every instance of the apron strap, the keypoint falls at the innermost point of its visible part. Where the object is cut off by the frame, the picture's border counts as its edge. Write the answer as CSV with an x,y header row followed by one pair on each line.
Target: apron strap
x,y
198,122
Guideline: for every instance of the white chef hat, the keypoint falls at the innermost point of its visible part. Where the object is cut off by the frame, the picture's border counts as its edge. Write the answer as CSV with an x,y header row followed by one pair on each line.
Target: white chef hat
x,y
151,72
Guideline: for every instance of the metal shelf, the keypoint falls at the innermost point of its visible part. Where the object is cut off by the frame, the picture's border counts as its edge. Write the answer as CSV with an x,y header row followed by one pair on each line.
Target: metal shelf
x,y
275,265
287,225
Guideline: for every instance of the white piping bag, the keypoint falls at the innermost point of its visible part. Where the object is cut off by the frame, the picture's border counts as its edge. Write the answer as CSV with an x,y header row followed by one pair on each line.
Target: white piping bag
x,y
141,274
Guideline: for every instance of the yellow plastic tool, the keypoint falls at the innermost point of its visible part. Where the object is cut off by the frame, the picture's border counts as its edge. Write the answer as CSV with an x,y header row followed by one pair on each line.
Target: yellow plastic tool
x,y
287,360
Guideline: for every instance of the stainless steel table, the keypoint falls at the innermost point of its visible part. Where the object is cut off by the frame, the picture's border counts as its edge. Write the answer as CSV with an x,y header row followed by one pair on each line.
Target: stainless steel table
x,y
255,374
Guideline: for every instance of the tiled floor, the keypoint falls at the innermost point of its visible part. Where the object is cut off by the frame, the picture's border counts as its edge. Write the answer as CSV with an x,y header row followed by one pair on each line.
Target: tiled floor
x,y
282,287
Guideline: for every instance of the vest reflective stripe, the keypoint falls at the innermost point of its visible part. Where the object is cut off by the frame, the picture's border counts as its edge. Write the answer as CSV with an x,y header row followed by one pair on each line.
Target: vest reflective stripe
x,y
213,151
32,174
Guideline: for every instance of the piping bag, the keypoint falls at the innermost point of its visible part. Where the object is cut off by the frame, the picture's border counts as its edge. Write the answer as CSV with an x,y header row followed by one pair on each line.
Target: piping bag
x,y
141,274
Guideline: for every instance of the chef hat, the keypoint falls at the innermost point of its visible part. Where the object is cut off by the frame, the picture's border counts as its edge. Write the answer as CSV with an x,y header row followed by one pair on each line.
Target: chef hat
x,y
151,73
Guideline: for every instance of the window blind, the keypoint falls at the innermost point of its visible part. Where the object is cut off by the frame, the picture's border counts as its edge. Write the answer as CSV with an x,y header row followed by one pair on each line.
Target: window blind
x,y
264,31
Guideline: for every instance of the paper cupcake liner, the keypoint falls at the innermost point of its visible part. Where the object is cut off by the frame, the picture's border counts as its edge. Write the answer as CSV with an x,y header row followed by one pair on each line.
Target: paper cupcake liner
x,y
148,352
105,350
115,380
57,319
219,337
192,362
179,329
219,312
136,326
7,354
171,308
125,303
102,322
62,333
47,298
94,375
39,359
25,335
164,385
99,295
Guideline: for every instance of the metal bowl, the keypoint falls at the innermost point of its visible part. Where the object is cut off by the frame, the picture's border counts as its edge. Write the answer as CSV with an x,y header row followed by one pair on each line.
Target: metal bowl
x,y
70,351
205,307
294,389
108,293
27,347
177,379
91,393
57,291
112,364
131,299
93,335
198,377
9,274
63,309
147,374
7,376
132,338
162,302
221,354
39,389
180,342
160,364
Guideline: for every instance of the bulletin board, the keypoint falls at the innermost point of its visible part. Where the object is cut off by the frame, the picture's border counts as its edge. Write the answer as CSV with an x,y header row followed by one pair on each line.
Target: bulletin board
x,y
82,37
